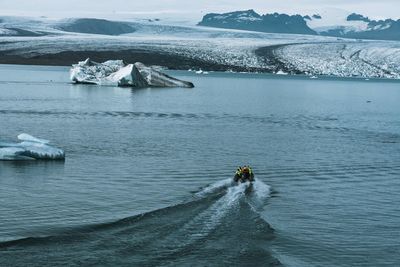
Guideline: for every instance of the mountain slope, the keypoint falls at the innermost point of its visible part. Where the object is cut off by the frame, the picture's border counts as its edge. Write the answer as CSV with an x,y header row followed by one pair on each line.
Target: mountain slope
x,y
360,27
97,26
349,25
252,21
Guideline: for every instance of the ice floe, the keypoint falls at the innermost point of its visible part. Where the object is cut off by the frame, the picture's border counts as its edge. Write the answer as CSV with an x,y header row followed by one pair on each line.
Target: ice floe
x,y
30,148
117,73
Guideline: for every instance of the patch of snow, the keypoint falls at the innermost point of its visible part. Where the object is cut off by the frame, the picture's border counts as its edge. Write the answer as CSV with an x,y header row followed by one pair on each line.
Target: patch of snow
x,y
248,18
334,18
220,17
381,27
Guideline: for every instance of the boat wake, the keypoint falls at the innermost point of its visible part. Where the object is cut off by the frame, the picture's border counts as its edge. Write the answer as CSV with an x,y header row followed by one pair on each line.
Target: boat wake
x,y
220,226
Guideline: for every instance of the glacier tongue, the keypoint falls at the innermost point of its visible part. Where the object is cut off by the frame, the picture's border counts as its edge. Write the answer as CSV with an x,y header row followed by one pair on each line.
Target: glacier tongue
x,y
117,73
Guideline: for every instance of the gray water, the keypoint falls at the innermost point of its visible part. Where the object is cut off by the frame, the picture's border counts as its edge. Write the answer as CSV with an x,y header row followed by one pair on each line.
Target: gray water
x,y
146,179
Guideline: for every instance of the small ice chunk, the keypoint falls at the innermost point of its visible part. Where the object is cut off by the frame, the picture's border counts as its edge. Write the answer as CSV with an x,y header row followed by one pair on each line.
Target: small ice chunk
x,y
13,153
30,148
281,72
27,137
42,151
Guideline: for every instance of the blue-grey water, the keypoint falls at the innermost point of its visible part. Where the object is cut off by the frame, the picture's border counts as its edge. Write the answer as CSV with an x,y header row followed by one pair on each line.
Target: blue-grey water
x,y
146,178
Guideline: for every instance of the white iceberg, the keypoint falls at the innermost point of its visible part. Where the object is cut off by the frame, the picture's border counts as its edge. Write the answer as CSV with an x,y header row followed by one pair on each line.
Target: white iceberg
x,y
30,148
117,73
281,72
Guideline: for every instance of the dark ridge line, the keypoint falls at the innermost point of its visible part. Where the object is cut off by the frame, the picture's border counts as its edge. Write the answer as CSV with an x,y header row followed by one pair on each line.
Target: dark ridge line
x,y
268,53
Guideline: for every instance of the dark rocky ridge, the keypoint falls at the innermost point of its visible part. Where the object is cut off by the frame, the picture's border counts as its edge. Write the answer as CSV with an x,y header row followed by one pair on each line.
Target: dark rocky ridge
x,y
376,30
252,21
357,17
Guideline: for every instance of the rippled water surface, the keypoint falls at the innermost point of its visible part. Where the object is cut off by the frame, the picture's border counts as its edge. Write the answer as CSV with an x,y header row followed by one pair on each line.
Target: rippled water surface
x,y
147,177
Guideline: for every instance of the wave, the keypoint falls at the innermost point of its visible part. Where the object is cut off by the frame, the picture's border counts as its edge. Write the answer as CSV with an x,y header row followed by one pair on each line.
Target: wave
x,y
313,123
215,187
218,227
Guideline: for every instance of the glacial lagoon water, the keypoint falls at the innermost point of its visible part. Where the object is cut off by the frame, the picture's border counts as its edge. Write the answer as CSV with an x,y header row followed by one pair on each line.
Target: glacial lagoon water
x,y
146,178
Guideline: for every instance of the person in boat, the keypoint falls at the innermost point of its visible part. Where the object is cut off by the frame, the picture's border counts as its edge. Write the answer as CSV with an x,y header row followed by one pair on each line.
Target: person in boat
x,y
244,174
238,174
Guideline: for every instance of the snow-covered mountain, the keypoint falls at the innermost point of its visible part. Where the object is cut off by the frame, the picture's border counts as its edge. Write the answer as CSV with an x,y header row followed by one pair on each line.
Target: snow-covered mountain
x,y
336,23
251,20
341,23
383,30
334,18
332,22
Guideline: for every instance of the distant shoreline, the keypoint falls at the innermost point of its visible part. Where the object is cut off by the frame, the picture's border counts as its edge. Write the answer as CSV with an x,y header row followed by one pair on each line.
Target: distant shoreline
x,y
272,64
170,61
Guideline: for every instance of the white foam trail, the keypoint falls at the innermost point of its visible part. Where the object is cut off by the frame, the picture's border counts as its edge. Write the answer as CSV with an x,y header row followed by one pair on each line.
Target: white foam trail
x,y
205,222
201,225
215,187
261,190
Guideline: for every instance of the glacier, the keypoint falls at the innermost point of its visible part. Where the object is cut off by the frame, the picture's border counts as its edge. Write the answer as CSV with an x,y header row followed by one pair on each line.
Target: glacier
x,y
31,148
195,47
118,73
343,59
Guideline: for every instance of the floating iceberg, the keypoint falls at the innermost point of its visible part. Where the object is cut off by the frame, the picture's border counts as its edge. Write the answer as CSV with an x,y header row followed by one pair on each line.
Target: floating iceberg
x,y
117,73
30,148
